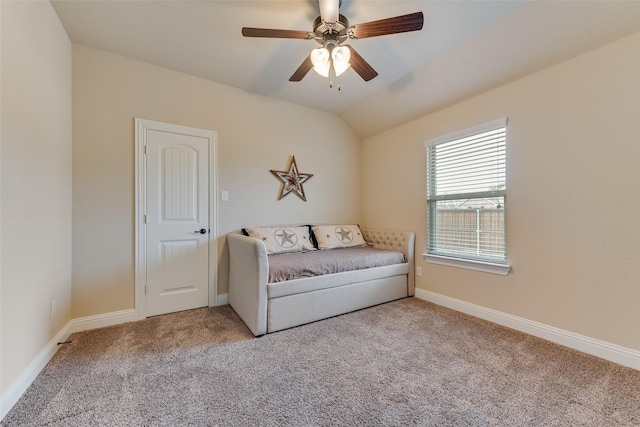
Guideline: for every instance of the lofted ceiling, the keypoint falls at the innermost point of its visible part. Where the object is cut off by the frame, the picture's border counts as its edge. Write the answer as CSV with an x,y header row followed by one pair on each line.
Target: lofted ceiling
x,y
465,48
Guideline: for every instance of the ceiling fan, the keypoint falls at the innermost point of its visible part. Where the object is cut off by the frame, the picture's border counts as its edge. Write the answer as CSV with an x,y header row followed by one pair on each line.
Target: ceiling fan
x,y
331,30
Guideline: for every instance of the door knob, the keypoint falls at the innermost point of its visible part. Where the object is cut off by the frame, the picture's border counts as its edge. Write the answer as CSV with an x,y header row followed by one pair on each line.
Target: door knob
x,y
201,231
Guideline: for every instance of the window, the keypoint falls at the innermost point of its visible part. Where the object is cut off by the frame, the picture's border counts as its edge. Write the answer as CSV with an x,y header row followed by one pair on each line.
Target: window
x,y
466,192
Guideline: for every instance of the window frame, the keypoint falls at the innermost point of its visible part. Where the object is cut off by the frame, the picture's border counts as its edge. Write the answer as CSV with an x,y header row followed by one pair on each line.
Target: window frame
x,y
496,266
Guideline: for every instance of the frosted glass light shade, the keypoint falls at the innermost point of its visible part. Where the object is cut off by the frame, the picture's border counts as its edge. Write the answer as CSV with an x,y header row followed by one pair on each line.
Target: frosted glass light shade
x,y
320,60
341,56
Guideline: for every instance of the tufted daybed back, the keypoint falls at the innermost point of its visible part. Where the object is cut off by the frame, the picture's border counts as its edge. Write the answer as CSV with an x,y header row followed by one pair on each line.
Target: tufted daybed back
x,y
394,240
390,240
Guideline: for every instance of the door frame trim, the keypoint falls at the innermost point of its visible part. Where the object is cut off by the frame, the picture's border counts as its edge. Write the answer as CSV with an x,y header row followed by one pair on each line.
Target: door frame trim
x,y
140,233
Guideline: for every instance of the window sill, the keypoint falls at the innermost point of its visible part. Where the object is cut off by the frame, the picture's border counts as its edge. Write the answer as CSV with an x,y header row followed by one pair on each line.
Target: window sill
x,y
487,267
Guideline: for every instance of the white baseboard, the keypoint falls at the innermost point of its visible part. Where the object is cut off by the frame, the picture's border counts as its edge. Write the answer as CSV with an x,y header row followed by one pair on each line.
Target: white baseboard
x,y
26,377
102,320
223,299
614,353
117,317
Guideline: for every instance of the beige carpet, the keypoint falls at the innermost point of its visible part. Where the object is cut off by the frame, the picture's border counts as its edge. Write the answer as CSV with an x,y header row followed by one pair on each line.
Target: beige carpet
x,y
398,364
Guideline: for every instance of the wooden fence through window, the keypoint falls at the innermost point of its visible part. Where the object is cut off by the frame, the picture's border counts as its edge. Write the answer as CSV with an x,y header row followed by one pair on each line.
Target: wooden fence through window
x,y
478,232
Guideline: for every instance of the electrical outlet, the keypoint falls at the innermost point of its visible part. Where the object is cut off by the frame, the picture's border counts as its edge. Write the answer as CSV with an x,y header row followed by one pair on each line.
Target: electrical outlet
x,y
418,271
53,310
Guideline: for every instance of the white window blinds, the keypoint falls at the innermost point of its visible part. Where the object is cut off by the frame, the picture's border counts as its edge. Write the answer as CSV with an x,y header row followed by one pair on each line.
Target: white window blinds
x,y
466,192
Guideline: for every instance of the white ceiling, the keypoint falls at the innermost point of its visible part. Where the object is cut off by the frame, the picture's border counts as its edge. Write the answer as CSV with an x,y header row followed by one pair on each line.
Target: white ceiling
x,y
466,47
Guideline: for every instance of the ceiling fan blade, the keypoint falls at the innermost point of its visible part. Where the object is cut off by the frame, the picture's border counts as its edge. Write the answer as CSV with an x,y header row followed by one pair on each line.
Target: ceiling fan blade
x,y
397,24
302,70
280,34
361,66
329,10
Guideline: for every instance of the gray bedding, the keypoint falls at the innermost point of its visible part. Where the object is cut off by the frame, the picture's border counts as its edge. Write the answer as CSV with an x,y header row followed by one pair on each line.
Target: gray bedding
x,y
284,267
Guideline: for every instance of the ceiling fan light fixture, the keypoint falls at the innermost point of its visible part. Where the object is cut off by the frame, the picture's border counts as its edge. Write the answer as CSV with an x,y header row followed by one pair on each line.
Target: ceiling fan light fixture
x,y
320,58
341,56
331,29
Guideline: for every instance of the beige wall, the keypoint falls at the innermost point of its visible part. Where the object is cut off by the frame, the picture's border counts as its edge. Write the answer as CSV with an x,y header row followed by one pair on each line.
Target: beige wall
x,y
36,183
255,134
573,200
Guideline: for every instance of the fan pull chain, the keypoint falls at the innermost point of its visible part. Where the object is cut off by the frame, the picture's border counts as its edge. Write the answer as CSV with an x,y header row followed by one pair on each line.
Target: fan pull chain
x,y
331,82
339,85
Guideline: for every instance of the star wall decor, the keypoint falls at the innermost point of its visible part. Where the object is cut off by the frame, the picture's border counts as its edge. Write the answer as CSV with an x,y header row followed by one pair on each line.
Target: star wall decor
x,y
292,180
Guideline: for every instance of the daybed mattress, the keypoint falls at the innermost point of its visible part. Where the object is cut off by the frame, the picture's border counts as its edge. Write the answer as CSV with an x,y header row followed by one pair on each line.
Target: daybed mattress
x,y
285,267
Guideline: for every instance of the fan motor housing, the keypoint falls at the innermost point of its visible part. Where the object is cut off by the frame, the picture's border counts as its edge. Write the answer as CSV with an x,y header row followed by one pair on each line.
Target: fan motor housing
x,y
331,33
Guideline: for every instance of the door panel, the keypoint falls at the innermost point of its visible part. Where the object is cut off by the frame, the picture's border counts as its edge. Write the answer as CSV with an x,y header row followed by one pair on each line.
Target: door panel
x,y
178,189
177,209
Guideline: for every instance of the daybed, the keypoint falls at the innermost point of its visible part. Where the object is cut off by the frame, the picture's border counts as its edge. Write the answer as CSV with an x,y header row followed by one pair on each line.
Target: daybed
x,y
267,305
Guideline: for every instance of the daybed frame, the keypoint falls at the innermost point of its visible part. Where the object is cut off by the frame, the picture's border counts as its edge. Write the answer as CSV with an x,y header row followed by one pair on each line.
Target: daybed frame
x,y
265,309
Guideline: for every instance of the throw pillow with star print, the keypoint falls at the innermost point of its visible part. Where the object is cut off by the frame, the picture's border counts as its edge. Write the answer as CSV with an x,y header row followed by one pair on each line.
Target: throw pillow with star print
x,y
338,236
279,240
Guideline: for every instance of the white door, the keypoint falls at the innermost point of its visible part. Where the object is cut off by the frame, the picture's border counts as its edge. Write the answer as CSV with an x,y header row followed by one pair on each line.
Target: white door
x,y
177,222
